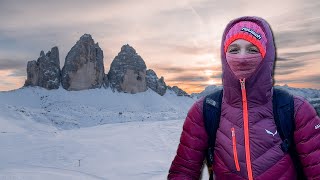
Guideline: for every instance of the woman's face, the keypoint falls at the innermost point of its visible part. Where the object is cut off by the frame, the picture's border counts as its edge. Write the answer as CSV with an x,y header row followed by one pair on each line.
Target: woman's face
x,y
243,58
242,47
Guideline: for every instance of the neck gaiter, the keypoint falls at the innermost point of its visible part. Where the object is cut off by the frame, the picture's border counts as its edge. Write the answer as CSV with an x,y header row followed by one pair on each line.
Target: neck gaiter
x,y
243,65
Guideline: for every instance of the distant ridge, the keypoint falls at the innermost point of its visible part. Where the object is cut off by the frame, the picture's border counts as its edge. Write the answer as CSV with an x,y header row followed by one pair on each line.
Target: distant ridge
x,y
84,69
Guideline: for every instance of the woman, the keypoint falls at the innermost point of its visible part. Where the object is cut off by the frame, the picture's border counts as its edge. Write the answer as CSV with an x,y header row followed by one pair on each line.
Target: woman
x,y
247,143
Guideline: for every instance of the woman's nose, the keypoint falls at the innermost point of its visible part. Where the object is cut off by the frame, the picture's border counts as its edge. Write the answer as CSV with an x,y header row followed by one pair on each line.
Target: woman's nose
x,y
242,52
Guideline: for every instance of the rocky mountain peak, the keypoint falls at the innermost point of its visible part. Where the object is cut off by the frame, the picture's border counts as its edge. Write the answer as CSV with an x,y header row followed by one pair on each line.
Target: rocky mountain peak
x,y
45,72
86,38
42,53
128,71
154,83
127,49
83,68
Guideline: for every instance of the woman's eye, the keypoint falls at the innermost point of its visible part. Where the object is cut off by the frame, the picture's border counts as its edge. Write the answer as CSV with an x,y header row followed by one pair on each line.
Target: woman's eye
x,y
253,50
233,50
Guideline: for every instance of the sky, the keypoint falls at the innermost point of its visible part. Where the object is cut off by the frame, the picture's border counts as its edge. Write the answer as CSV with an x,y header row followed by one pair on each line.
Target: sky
x,y
179,40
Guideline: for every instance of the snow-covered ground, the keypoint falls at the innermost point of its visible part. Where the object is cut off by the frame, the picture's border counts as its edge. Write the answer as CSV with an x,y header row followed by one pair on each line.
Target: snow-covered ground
x,y
96,142
74,109
93,134
131,150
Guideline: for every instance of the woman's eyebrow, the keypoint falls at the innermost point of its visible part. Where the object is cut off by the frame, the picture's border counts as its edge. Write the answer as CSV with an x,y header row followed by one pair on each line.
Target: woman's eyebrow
x,y
233,45
251,45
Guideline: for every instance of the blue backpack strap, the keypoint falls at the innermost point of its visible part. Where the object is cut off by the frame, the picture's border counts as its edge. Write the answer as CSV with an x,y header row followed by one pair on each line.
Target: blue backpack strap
x,y
211,114
283,111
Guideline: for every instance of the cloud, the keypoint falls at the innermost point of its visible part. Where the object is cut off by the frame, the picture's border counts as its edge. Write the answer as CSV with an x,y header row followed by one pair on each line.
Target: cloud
x,y
286,66
179,69
6,64
217,76
285,72
175,70
174,38
188,78
194,50
289,63
60,13
301,54
8,82
18,73
298,38
300,28
282,59
310,79
314,78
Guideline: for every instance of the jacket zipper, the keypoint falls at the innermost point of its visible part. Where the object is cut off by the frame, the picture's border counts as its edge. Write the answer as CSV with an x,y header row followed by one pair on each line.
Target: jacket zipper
x,y
234,146
246,127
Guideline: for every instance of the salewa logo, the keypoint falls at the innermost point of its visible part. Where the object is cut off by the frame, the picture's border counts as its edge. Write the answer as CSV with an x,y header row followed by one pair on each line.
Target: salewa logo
x,y
317,126
269,132
258,36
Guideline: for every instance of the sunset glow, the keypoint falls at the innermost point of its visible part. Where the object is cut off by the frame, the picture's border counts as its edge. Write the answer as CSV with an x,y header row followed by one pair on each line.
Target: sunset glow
x,y
179,40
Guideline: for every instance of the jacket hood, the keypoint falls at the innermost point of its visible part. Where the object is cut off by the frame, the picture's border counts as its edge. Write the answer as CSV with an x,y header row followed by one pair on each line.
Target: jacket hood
x,y
259,84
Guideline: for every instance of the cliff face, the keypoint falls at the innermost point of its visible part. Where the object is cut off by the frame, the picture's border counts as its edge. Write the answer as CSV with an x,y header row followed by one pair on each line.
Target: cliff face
x,y
83,68
128,72
45,72
156,84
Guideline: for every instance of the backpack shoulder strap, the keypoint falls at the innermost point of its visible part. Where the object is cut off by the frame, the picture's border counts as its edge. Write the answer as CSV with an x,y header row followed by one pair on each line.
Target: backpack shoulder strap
x,y
283,111
211,114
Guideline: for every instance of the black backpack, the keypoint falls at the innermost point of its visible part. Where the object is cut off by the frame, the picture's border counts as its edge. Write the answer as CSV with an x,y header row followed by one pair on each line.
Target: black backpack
x,y
283,108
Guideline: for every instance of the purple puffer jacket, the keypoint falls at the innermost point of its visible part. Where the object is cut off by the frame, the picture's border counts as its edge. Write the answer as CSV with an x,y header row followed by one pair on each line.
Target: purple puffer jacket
x,y
247,143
